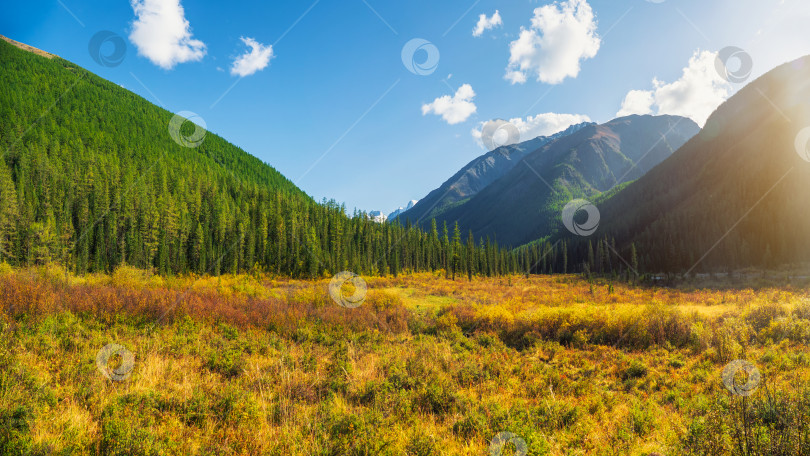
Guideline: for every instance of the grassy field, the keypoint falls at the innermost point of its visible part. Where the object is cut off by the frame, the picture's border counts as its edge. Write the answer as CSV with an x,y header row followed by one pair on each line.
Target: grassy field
x,y
425,366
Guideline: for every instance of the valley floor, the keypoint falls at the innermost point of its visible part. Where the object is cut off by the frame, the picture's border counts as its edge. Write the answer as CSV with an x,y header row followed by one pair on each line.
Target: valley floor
x,y
425,366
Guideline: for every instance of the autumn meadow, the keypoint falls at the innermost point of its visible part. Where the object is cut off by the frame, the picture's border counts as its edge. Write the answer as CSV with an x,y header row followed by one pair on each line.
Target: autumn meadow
x,y
253,364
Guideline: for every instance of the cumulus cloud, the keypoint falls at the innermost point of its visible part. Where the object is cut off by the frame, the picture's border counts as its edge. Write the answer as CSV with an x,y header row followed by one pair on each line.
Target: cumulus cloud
x,y
545,124
162,34
698,92
561,35
255,59
455,109
637,102
485,23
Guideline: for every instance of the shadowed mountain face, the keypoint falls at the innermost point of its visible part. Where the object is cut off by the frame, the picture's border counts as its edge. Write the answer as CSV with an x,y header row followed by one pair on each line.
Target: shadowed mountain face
x,y
735,195
478,174
524,204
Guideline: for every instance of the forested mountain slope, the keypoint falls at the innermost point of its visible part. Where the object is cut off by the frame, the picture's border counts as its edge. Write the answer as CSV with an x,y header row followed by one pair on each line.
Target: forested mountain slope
x,y
736,195
91,177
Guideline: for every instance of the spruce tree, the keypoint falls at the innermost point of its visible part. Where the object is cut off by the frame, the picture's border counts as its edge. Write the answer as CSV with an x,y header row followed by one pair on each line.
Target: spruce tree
x,y
456,249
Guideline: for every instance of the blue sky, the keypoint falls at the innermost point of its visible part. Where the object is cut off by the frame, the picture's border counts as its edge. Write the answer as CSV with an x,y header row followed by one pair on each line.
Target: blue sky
x,y
326,99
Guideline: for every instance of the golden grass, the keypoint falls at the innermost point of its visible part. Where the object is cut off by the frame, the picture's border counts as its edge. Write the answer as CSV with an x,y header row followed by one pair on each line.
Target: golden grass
x,y
267,365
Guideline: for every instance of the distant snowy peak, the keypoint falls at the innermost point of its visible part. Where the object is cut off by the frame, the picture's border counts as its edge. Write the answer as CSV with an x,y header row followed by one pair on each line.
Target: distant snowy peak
x,y
400,210
377,216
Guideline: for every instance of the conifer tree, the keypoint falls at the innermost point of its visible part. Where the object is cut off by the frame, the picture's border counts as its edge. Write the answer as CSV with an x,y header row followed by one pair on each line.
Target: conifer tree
x,y
470,256
455,251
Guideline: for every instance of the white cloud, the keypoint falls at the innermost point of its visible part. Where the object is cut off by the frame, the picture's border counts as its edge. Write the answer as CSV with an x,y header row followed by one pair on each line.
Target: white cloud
x,y
637,102
455,109
257,58
162,34
485,23
515,77
561,35
698,92
545,124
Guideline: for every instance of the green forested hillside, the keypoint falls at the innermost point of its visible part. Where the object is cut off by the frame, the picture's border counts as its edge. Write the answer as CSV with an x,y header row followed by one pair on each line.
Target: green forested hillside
x,y
90,177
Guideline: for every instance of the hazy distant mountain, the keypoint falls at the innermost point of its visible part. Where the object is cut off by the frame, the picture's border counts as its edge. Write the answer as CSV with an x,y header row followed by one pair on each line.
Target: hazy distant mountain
x,y
525,203
737,193
401,209
478,174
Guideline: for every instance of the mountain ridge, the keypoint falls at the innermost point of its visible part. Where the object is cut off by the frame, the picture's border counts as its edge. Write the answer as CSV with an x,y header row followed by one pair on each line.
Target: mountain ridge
x,y
28,48
521,205
479,173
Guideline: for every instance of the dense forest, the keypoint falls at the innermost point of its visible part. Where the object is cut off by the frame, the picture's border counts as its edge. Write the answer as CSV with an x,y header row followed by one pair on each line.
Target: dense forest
x,y
91,178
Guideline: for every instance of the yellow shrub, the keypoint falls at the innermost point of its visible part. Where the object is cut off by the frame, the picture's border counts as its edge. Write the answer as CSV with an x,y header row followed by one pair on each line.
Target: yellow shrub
x,y
495,316
129,277
447,323
382,300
